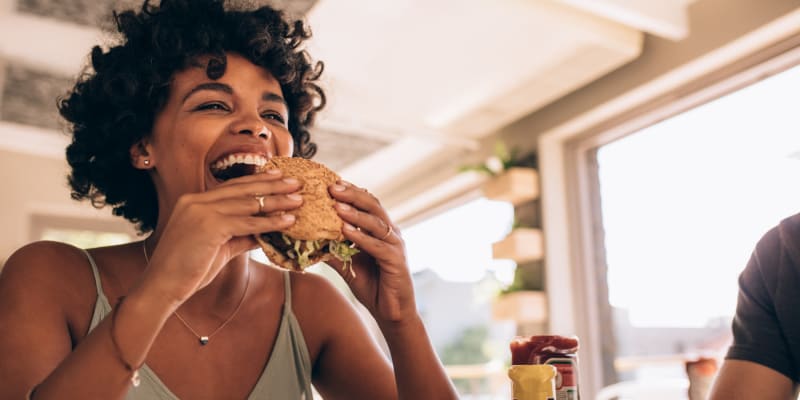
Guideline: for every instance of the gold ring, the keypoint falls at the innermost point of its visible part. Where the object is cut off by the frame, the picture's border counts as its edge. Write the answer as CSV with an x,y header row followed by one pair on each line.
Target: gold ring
x,y
260,199
389,232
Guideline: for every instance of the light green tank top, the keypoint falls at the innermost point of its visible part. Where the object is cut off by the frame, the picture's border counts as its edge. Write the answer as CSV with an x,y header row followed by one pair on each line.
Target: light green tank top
x,y
287,375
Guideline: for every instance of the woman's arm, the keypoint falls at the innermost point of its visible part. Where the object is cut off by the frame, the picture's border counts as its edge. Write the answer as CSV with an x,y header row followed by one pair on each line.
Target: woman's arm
x,y
205,231
351,366
384,286
745,380
36,343
417,369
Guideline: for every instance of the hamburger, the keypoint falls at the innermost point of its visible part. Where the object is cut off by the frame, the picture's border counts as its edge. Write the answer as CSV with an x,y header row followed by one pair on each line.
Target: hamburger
x,y
316,235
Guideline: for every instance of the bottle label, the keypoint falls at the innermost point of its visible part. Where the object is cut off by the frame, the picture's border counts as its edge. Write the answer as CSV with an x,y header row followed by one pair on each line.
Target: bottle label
x,y
566,378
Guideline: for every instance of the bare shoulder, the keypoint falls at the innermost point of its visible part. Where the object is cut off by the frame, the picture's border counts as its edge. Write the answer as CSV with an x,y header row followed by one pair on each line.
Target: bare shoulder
x,y
315,293
47,271
321,309
45,263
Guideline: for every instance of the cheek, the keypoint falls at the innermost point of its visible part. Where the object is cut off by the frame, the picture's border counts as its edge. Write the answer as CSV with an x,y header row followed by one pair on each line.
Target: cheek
x,y
284,144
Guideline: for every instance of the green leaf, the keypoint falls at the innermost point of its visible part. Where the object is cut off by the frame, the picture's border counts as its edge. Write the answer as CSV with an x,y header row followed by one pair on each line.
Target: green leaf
x,y
501,151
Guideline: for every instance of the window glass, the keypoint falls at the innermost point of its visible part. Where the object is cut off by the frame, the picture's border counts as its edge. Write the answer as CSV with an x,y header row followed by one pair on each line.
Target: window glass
x,y
684,203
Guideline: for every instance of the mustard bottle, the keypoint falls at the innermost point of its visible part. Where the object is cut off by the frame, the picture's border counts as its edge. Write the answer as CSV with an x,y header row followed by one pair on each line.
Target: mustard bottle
x,y
533,382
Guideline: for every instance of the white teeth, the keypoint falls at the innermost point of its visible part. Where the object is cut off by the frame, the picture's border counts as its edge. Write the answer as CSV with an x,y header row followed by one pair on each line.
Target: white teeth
x,y
247,159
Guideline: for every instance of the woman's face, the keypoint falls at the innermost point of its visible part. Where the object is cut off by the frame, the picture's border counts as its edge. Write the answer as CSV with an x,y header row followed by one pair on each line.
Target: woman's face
x,y
208,125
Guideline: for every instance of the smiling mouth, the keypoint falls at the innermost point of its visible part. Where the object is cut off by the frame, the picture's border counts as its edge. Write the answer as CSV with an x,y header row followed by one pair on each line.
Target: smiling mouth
x,y
236,165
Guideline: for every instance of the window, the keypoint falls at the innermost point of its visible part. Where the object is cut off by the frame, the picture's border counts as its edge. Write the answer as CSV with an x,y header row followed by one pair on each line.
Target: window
x,y
684,202
681,202
455,279
80,232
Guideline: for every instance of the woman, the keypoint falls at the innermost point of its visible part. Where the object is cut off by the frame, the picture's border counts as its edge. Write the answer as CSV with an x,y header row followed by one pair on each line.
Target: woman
x,y
193,317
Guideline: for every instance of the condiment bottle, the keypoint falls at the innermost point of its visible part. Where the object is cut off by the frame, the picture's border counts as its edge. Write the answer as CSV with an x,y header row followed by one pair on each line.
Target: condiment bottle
x,y
701,374
559,351
533,382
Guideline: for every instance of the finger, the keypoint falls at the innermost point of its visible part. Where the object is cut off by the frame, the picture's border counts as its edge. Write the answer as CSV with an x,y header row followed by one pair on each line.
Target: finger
x,y
250,205
382,251
373,225
244,226
263,187
271,174
359,198
241,244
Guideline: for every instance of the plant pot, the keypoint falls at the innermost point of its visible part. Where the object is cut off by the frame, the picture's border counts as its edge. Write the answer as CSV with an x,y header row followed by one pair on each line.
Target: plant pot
x,y
524,306
521,245
516,185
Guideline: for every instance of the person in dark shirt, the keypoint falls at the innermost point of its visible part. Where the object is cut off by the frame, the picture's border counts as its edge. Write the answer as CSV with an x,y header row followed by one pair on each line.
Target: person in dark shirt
x,y
762,362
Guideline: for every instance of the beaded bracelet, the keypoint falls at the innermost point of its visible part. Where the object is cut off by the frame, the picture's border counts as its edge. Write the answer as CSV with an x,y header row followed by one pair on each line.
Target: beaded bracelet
x,y
135,377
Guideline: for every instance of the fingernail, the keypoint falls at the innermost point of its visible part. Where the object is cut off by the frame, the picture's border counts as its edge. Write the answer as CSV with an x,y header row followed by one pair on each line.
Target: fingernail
x,y
349,227
287,217
338,188
273,171
291,181
294,196
343,206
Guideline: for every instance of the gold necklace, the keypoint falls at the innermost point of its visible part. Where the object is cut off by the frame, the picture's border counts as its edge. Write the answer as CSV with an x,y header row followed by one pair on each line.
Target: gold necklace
x,y
204,339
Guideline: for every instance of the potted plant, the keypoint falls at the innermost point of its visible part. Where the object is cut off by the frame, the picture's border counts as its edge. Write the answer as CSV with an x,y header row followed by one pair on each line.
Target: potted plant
x,y
524,301
513,178
522,245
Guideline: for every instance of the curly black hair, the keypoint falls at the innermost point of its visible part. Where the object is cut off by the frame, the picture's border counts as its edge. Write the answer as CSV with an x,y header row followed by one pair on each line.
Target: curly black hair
x,y
114,103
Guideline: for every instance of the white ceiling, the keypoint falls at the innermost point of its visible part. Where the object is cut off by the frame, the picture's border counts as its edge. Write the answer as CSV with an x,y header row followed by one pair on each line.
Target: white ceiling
x,y
432,78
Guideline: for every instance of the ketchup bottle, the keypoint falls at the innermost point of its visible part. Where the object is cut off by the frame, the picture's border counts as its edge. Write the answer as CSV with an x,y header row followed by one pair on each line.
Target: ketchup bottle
x,y
558,351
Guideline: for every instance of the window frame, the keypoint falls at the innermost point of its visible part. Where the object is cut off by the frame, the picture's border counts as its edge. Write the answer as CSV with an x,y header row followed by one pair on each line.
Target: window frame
x,y
576,273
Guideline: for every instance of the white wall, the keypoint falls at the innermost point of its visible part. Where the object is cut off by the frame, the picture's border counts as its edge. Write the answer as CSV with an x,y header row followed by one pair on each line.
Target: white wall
x,y
37,185
712,24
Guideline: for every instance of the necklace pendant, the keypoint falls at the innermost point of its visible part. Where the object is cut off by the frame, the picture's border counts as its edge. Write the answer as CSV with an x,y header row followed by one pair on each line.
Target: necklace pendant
x,y
135,380
203,340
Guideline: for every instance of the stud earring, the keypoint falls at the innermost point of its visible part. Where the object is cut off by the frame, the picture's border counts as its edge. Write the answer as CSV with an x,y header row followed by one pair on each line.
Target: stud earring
x,y
146,162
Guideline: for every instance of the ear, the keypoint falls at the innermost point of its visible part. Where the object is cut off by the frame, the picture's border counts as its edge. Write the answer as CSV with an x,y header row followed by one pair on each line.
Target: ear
x,y
141,156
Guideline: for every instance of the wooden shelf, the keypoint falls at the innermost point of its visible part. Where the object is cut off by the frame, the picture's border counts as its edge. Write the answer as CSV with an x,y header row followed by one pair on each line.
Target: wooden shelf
x,y
516,186
521,245
525,306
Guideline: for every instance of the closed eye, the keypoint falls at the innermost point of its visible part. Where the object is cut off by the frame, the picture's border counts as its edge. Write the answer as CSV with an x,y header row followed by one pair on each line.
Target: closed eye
x,y
212,106
274,116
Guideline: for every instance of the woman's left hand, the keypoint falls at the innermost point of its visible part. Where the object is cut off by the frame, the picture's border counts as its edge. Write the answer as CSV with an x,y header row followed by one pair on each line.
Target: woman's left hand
x,y
382,279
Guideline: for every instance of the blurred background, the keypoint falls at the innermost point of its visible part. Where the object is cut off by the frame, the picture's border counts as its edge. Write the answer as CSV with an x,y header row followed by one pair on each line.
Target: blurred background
x,y
599,168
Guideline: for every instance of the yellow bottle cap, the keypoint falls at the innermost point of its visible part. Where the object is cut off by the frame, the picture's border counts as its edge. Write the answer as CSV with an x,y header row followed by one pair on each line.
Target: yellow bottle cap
x,y
532,382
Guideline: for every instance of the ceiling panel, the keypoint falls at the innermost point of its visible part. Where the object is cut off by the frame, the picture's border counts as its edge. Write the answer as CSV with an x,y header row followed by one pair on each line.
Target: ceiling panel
x,y
29,96
97,12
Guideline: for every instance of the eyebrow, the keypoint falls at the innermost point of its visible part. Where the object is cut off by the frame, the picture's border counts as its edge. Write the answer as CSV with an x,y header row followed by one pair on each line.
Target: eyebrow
x,y
269,96
216,86
221,87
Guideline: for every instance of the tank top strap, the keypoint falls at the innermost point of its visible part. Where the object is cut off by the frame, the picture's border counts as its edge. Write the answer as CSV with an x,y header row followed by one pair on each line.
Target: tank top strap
x,y
96,272
287,283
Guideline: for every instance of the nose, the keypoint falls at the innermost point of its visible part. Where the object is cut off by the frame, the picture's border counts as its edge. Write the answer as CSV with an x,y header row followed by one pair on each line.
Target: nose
x,y
251,126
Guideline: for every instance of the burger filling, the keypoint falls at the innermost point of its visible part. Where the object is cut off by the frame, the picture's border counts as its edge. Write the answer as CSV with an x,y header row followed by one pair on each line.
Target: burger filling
x,y
306,251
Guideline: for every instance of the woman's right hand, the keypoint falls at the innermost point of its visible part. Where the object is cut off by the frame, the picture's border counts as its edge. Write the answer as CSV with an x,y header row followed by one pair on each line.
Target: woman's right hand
x,y
206,230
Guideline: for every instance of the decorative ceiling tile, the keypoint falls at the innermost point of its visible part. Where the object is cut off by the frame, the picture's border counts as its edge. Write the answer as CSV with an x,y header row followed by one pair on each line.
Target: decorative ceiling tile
x,y
98,12
29,97
338,150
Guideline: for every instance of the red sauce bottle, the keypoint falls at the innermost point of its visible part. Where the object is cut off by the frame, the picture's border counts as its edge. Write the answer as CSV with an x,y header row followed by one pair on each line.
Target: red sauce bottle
x,y
558,351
